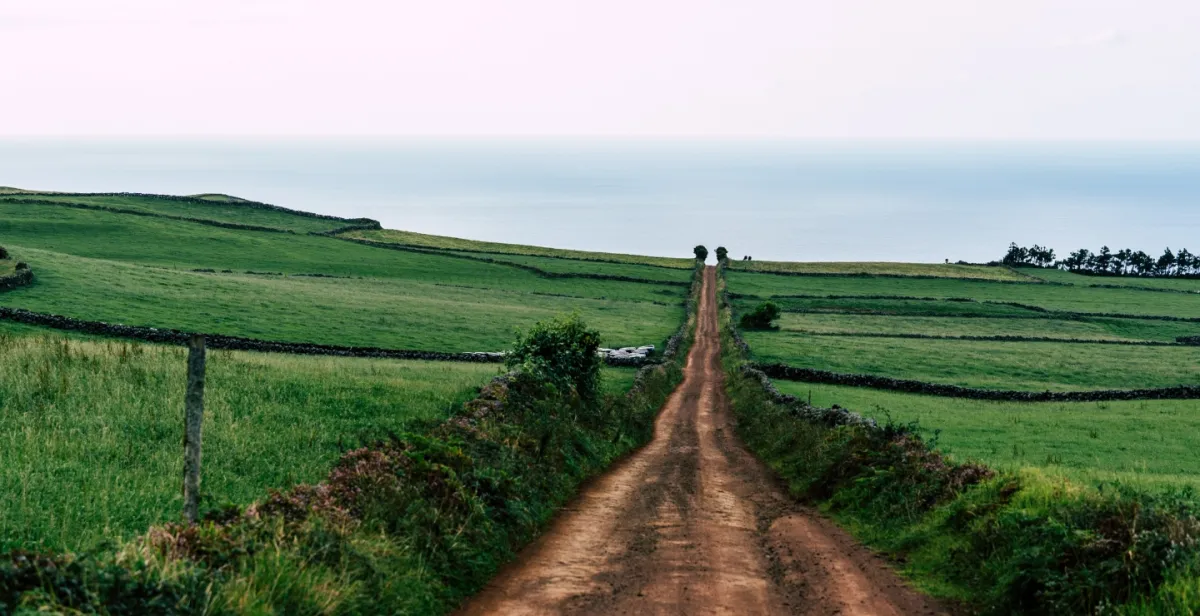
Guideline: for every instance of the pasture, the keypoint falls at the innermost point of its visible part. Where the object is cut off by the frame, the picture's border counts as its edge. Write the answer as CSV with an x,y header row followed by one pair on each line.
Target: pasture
x,y
301,288
89,427
877,326
409,238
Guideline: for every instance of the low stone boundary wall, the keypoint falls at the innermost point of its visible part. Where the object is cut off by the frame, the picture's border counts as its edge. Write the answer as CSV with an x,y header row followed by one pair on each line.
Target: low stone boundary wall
x,y
19,278
809,375
117,210
197,200
1001,338
501,252
521,266
1031,280
238,343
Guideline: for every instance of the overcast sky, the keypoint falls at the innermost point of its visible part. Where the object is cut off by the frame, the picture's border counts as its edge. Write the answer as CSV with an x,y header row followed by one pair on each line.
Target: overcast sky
x,y
862,69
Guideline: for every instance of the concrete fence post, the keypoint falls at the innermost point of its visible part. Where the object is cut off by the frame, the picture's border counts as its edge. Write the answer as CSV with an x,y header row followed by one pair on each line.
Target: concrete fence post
x,y
193,421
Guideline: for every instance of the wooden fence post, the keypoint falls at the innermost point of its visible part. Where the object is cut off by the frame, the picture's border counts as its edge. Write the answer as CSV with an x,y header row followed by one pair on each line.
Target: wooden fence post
x,y
193,420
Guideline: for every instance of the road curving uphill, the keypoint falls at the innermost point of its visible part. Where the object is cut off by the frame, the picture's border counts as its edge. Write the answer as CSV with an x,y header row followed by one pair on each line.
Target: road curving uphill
x,y
694,524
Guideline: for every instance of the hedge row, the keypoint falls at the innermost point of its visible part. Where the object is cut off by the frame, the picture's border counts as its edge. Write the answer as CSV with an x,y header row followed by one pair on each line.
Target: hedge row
x,y
521,266
809,375
237,343
257,205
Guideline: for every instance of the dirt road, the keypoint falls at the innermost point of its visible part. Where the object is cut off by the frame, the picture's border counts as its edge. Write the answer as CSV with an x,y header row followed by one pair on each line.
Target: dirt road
x,y
693,524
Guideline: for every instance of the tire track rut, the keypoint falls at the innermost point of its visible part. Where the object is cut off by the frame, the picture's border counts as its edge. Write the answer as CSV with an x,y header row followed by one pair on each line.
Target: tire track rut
x,y
693,524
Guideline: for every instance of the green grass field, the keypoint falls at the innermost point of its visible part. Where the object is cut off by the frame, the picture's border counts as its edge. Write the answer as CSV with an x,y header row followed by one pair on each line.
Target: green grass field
x,y
221,210
89,427
1142,441
1150,442
452,243
136,270
1034,366
90,433
1092,328
1061,276
880,269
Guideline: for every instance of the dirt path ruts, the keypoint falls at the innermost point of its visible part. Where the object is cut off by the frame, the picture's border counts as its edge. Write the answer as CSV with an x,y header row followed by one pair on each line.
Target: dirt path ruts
x,y
694,524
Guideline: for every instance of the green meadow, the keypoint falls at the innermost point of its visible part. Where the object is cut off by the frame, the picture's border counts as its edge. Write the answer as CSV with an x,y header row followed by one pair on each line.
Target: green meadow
x,y
1130,301
139,271
864,329
89,427
1149,442
868,268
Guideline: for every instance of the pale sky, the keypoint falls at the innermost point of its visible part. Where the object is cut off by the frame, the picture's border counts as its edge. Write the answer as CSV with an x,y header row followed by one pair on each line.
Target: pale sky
x,y
836,69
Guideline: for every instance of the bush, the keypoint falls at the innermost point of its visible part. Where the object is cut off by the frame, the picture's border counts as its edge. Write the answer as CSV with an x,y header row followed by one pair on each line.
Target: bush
x,y
562,353
722,254
3,252
701,253
762,316
22,265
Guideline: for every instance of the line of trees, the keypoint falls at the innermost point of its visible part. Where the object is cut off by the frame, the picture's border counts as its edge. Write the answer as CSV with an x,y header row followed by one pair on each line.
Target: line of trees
x,y
1124,262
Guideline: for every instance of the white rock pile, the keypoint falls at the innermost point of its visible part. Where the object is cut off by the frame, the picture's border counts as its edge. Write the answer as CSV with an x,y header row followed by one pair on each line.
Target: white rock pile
x,y
627,353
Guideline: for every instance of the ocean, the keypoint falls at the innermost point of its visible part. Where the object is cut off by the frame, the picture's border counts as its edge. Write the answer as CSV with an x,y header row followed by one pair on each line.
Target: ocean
x,y
775,201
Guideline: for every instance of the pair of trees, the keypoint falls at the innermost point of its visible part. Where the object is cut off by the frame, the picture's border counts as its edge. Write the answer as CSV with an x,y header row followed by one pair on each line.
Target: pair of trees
x,y
702,253
1124,262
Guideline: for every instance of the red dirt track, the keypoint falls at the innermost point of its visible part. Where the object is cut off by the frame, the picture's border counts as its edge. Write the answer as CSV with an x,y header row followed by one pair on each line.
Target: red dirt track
x,y
693,524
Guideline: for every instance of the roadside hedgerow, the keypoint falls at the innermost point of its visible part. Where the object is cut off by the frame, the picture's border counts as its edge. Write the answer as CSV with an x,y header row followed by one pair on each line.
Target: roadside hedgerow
x,y
722,254
701,253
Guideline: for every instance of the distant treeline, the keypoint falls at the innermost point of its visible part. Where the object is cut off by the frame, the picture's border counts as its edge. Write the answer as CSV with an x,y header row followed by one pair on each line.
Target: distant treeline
x,y
1124,262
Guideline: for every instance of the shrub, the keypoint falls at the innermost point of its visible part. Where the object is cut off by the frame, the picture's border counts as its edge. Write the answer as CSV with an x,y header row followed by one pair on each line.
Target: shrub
x,y
722,254
701,253
22,265
562,353
3,252
762,316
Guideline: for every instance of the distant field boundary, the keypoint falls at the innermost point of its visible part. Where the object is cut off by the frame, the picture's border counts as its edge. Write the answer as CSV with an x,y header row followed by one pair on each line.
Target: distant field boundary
x,y
809,375
336,233
999,338
529,268
1031,280
1041,312
238,343
199,201
202,221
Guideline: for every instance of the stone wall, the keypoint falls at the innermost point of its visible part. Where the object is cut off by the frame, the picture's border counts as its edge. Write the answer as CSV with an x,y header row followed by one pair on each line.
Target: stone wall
x,y
809,375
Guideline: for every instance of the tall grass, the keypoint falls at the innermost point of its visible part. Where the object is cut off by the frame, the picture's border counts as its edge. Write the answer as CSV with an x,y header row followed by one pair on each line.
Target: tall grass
x,y
91,431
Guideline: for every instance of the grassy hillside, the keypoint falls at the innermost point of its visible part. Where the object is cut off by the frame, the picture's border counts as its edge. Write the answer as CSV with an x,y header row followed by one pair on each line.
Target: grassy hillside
x,y
228,210
89,428
451,243
868,268
137,271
